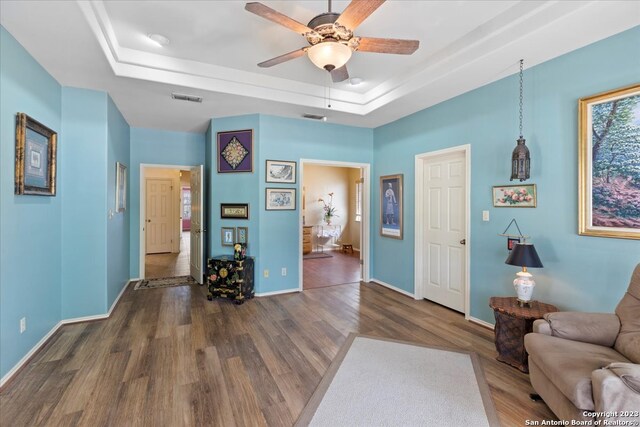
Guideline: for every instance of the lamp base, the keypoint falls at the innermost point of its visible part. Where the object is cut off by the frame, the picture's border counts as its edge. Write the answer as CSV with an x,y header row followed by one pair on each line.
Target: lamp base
x,y
524,304
524,285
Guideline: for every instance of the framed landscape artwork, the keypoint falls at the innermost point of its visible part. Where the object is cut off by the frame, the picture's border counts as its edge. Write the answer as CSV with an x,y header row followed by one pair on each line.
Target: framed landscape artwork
x,y
609,164
391,200
280,199
281,171
121,187
515,196
235,151
35,170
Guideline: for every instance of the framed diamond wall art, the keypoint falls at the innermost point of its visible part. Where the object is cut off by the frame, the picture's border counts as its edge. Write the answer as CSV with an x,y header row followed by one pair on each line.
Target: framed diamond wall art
x,y
235,151
36,160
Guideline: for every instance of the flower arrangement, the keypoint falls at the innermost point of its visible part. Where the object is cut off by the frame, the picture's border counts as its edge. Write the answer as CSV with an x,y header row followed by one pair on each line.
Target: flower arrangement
x,y
328,208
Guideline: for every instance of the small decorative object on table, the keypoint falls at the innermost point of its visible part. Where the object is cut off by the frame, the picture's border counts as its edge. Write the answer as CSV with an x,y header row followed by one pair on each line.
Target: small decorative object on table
x,y
239,251
512,324
231,279
524,255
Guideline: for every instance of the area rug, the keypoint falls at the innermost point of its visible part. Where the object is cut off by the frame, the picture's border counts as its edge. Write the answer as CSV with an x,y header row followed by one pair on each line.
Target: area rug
x,y
316,255
380,382
164,282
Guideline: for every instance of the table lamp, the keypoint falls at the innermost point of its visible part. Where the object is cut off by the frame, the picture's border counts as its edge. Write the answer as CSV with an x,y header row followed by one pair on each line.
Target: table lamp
x,y
524,255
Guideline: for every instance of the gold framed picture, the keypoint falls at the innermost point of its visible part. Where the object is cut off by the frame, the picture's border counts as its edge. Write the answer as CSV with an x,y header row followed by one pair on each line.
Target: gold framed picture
x,y
36,162
609,164
234,210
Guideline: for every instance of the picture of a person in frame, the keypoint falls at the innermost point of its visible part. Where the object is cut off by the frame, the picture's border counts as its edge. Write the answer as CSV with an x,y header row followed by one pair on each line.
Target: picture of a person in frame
x,y
391,202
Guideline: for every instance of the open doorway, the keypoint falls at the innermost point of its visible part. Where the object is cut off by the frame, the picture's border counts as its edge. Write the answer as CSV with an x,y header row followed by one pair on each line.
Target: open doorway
x,y
333,216
170,214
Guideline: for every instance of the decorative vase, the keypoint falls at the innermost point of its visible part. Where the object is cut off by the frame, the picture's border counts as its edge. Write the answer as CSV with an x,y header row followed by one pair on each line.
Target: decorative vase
x,y
327,219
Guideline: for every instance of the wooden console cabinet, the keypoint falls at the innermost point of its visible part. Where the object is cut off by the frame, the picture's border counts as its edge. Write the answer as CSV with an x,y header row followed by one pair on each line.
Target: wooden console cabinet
x,y
306,239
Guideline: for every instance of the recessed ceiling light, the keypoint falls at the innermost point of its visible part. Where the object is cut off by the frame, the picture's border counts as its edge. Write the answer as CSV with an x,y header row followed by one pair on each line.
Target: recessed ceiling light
x,y
355,81
159,39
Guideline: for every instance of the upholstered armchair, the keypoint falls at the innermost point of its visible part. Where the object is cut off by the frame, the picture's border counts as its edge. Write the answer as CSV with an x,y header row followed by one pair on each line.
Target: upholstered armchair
x,y
586,364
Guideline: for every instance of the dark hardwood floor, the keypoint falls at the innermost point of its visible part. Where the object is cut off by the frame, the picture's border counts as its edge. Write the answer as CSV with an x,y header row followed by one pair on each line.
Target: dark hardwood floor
x,y
340,269
169,357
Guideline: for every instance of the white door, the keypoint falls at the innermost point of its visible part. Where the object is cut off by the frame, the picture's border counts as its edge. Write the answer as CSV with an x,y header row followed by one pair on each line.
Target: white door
x,y
196,233
159,195
444,230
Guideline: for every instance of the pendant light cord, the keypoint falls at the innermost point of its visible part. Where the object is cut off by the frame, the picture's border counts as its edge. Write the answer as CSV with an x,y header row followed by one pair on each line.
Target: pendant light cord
x,y
521,66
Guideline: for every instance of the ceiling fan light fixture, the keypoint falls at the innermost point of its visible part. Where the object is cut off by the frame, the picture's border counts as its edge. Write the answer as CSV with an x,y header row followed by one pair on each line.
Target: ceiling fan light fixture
x,y
329,55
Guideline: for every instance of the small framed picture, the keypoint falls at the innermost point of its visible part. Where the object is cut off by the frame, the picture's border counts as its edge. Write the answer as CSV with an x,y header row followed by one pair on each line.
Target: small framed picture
x,y
280,199
121,187
234,210
242,235
228,235
515,196
36,161
281,171
511,242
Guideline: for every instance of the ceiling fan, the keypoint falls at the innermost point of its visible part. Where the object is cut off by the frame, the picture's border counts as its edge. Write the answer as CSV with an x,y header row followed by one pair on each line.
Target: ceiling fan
x,y
330,36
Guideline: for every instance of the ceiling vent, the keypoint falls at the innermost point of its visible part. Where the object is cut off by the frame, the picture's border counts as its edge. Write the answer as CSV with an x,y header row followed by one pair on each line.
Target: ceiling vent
x,y
183,97
314,117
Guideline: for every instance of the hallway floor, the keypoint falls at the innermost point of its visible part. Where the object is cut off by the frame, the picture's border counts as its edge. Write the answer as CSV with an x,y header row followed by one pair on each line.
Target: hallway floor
x,y
169,265
341,268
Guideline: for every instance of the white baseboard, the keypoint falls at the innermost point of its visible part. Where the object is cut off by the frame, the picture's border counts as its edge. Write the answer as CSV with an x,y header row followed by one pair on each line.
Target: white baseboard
x,y
53,330
481,322
393,288
30,354
285,291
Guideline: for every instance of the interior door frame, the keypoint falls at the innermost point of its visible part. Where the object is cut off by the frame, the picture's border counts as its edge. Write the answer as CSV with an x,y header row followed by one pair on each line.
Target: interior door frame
x,y
366,213
143,207
419,221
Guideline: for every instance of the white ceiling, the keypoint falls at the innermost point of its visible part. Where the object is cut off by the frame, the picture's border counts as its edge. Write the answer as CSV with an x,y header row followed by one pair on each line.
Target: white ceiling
x,y
216,45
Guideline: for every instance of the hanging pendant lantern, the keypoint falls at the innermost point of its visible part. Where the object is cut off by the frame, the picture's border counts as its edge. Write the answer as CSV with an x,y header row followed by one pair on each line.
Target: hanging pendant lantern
x,y
520,159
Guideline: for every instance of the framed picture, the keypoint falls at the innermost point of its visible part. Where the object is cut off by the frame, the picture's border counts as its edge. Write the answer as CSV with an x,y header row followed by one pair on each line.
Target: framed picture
x,y
36,161
121,187
234,210
280,199
228,236
235,151
281,171
242,235
391,206
514,196
511,242
609,164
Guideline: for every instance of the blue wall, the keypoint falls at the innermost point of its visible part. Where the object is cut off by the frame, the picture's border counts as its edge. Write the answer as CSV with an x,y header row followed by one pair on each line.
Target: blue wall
x,y
118,134
581,273
156,147
30,260
274,236
84,220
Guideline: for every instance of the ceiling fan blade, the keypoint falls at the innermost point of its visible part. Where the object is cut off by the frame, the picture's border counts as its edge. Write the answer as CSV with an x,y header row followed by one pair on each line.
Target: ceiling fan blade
x,y
277,17
397,46
358,11
283,58
339,74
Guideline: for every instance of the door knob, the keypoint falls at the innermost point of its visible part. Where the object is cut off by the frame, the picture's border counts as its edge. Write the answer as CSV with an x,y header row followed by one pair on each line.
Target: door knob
x,y
148,220
463,241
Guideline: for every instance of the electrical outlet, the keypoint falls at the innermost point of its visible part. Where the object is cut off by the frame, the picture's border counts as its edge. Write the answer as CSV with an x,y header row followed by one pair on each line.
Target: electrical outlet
x,y
485,215
266,273
284,271
23,324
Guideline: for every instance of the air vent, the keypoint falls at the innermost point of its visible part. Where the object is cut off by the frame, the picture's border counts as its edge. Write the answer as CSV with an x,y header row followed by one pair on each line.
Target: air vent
x,y
314,117
183,97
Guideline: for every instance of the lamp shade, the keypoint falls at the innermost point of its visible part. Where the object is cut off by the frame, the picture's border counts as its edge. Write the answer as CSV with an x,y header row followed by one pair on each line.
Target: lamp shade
x,y
524,255
329,55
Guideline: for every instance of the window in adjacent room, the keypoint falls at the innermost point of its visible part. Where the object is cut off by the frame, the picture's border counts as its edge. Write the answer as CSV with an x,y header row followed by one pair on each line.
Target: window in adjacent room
x,y
358,201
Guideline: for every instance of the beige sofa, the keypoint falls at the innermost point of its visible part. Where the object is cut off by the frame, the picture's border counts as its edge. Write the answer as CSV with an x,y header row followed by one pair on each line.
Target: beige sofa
x,y
582,364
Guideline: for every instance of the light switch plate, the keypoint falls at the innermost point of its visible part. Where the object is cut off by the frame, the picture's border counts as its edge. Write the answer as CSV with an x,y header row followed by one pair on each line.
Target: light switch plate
x,y
485,215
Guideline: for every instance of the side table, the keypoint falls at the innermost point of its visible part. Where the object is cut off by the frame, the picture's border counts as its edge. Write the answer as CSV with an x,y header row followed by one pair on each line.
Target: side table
x,y
512,324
